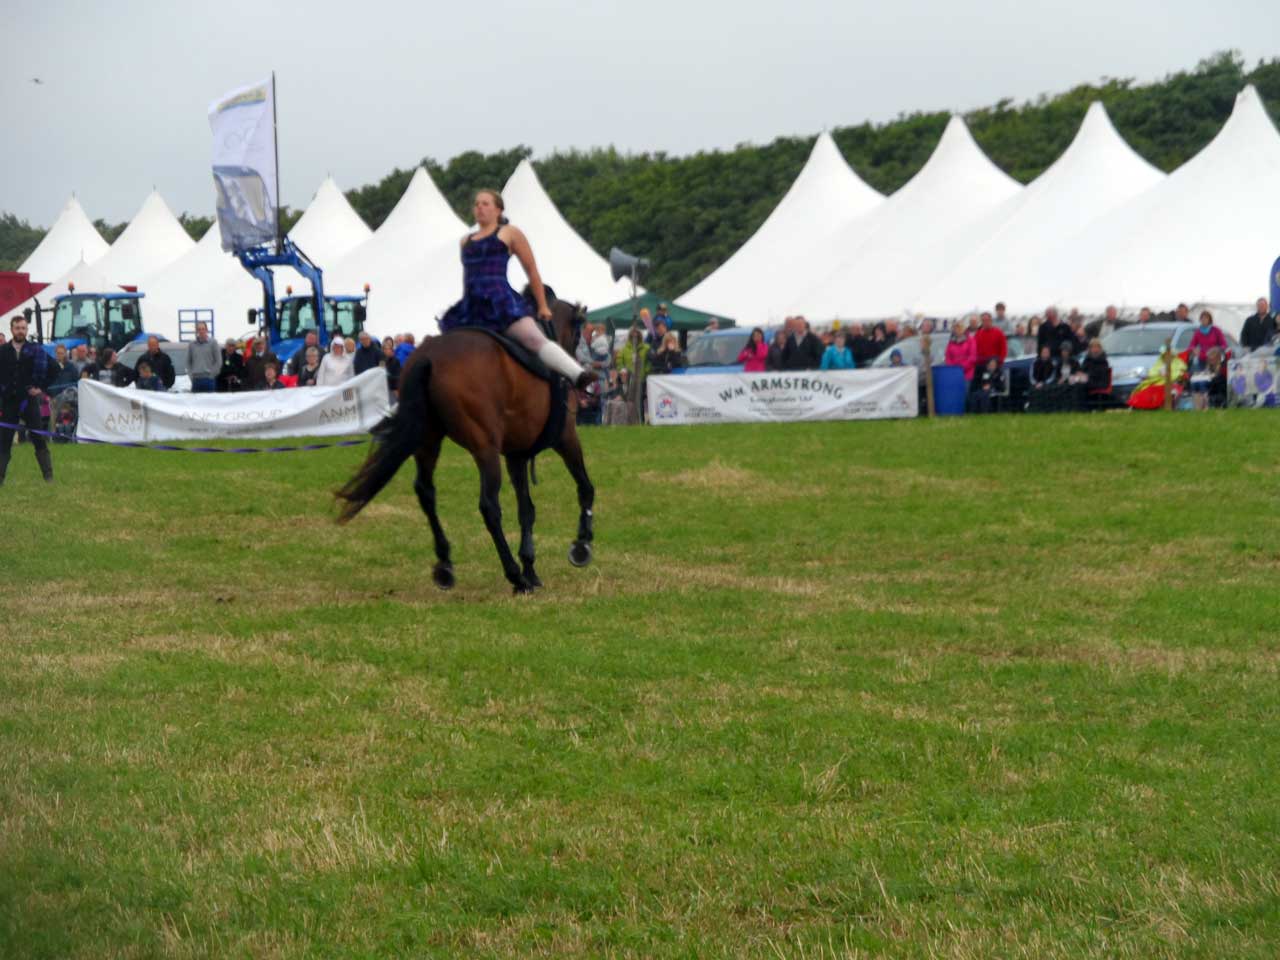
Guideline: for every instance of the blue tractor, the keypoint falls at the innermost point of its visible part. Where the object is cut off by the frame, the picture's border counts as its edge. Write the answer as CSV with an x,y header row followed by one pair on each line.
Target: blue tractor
x,y
98,320
287,321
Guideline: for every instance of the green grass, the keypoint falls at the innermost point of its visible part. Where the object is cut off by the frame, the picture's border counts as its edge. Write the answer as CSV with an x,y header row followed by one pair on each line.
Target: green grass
x,y
999,687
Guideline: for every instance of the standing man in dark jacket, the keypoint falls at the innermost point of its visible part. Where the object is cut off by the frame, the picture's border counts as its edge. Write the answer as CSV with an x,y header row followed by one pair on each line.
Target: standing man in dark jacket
x,y
160,363
803,350
255,367
368,354
24,374
231,377
1259,329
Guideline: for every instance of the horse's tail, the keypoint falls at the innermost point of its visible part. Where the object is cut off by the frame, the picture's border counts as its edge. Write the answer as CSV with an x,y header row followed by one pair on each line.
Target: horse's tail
x,y
398,436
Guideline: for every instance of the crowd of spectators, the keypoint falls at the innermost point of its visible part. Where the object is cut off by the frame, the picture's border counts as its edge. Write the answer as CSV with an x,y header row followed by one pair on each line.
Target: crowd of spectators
x,y
1071,369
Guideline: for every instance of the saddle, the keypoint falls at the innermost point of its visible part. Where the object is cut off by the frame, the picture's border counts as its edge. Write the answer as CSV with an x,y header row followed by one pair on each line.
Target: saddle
x,y
560,387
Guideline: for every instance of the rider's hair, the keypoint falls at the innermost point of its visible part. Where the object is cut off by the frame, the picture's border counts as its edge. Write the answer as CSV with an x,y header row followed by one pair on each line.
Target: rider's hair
x,y
497,202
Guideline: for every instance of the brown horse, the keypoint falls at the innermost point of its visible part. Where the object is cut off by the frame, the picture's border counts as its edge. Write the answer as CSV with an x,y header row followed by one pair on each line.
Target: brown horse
x,y
467,387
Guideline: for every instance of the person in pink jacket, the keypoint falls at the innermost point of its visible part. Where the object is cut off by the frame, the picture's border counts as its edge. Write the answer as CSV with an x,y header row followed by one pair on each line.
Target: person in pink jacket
x,y
1206,337
754,354
962,350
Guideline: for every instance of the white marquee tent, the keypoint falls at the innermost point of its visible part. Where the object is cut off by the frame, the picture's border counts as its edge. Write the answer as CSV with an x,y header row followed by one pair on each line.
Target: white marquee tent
x,y
204,277
1096,174
329,228
1205,234
85,277
759,279
564,259
153,239
72,238
883,260
411,262
326,232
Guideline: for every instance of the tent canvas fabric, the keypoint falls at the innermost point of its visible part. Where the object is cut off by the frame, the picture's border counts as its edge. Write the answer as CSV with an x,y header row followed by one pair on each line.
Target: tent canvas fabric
x,y
564,259
205,277
326,232
1203,234
153,239
682,318
412,262
878,264
1095,174
759,279
72,238
86,277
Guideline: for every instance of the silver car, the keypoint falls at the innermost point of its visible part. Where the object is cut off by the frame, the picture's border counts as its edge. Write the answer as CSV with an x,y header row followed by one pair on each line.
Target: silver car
x,y
1132,351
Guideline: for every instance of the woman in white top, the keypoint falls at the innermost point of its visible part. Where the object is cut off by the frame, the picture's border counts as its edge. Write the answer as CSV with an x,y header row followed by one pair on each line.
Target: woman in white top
x,y
336,365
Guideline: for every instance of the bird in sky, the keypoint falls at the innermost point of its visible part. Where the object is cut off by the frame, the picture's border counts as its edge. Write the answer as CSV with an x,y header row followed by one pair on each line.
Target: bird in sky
x,y
37,80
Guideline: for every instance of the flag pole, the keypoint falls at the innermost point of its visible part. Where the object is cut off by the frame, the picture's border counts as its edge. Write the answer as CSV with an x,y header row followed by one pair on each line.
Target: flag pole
x,y
275,138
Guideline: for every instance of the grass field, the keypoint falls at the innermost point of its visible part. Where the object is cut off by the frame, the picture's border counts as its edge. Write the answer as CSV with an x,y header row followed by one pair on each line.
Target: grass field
x,y
999,687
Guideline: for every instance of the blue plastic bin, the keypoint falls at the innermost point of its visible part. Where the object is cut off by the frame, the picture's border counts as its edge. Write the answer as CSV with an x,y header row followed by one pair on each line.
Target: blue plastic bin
x,y
949,390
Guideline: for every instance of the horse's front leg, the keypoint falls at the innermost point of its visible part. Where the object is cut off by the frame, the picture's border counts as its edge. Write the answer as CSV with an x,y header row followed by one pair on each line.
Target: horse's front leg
x,y
518,471
490,467
570,450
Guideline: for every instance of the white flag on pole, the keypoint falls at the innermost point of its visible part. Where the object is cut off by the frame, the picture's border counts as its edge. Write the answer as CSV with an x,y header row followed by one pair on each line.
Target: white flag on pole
x,y
244,165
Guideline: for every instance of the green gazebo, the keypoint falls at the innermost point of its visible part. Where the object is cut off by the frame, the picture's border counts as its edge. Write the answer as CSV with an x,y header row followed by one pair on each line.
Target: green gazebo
x,y
683,320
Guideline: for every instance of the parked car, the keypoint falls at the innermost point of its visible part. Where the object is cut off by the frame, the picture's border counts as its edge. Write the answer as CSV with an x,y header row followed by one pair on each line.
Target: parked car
x,y
131,353
1132,350
716,351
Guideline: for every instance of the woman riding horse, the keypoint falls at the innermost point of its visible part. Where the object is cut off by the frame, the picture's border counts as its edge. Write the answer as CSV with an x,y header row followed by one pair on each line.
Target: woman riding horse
x,y
488,299
466,386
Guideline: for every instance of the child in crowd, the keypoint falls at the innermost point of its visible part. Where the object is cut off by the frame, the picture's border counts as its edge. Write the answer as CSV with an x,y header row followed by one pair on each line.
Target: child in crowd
x,y
148,380
272,374
838,356
985,386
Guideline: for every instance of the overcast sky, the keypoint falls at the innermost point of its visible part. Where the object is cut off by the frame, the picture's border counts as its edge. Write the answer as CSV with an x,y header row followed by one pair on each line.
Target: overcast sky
x,y
367,86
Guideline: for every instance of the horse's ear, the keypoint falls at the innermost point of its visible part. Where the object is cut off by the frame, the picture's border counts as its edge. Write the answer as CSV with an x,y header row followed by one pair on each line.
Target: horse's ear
x,y
551,293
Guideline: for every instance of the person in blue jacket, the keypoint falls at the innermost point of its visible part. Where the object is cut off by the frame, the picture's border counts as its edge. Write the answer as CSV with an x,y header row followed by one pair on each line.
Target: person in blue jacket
x,y
838,356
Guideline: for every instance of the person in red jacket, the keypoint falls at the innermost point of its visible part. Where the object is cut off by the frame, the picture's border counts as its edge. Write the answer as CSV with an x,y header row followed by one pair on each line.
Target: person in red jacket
x,y
990,343
755,353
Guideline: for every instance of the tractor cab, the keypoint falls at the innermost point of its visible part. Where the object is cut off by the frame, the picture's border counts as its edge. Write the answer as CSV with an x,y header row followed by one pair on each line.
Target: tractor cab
x,y
296,317
98,320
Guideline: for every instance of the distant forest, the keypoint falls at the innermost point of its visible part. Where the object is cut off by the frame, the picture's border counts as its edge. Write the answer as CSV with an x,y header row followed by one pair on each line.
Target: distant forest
x,y
689,214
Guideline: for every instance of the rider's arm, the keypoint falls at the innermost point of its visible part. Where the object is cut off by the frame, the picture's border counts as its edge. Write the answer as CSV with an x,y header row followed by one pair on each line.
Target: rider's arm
x,y
519,245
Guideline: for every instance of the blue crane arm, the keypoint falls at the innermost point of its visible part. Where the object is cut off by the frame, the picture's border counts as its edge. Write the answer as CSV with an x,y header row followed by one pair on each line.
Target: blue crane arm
x,y
259,260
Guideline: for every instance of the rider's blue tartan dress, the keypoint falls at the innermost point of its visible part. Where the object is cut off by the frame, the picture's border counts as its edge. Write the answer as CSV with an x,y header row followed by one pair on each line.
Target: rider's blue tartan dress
x,y
488,300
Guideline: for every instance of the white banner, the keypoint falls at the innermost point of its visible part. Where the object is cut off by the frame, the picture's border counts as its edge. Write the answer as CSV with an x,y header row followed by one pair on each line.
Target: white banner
x,y
795,395
244,165
116,414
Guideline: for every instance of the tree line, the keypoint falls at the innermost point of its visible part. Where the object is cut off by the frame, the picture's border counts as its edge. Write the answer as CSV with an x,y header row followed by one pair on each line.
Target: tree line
x,y
688,214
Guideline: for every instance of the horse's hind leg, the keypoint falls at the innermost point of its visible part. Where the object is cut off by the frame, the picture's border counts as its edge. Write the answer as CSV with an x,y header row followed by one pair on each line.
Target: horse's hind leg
x,y
570,450
518,470
425,488
491,509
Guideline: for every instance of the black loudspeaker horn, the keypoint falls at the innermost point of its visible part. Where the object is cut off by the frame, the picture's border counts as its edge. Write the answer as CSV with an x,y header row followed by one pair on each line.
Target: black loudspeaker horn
x,y
623,264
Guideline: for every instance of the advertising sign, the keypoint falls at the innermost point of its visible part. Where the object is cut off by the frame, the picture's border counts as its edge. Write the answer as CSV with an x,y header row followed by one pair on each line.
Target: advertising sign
x,y
782,396
126,414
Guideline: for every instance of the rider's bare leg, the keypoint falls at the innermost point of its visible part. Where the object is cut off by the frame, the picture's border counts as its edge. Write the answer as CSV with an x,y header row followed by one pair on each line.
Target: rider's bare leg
x,y
553,355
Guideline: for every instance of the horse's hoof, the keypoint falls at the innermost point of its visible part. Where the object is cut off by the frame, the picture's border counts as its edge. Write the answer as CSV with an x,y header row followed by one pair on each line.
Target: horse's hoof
x,y
580,553
443,576
523,588
532,579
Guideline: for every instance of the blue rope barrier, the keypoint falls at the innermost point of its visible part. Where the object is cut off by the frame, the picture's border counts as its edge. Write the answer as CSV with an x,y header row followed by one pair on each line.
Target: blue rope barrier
x,y
136,445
